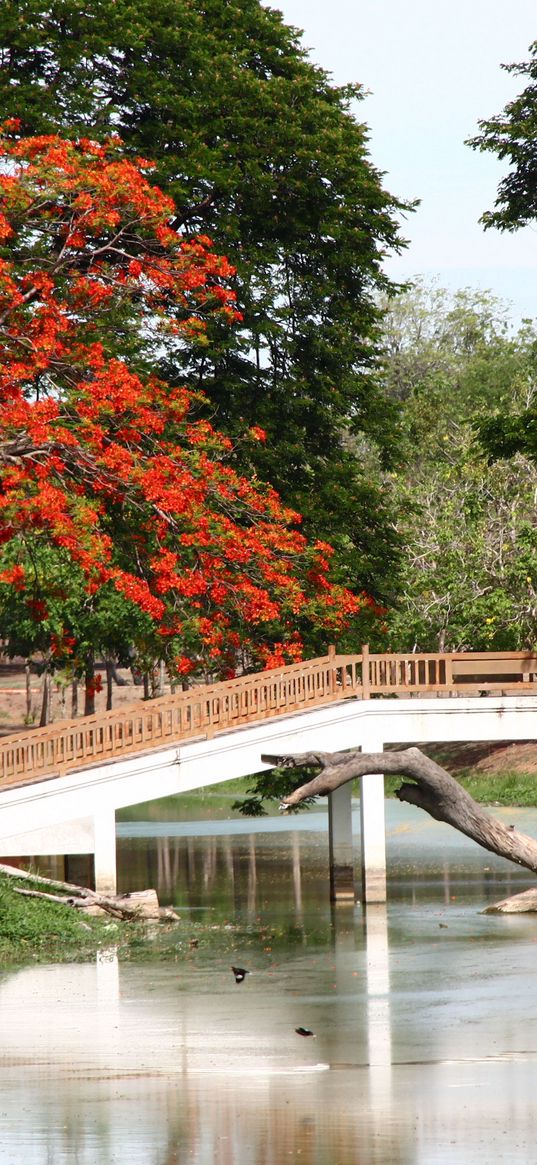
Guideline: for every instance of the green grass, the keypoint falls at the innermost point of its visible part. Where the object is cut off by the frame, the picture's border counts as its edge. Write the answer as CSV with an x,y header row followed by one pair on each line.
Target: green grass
x,y
37,930
506,788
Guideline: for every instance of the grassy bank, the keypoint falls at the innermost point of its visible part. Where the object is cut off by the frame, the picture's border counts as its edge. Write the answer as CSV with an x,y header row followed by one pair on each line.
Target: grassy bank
x,y
33,929
490,788
508,788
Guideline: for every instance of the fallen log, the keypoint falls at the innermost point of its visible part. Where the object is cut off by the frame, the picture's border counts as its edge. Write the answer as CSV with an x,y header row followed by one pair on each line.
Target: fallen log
x,y
433,790
136,906
524,903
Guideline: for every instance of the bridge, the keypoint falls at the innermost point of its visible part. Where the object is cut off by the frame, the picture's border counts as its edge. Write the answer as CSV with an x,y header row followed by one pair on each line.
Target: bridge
x,y
60,786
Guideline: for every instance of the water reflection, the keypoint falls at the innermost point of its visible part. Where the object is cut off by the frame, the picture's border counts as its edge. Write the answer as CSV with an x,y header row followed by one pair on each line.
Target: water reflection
x,y
163,1064
220,873
425,1044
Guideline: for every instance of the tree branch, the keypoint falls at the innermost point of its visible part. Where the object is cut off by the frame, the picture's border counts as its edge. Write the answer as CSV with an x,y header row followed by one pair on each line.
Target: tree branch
x,y
433,790
130,907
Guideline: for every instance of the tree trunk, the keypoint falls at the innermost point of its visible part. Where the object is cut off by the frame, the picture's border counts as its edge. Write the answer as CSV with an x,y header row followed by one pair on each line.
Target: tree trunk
x,y
433,790
89,687
74,699
61,692
45,701
112,677
109,679
128,907
119,680
28,680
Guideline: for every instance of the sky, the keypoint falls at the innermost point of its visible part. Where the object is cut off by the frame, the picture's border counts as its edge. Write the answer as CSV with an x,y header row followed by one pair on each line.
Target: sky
x,y
432,70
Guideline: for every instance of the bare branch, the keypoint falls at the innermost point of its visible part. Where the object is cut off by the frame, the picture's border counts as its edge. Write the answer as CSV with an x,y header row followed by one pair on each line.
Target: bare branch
x,y
433,789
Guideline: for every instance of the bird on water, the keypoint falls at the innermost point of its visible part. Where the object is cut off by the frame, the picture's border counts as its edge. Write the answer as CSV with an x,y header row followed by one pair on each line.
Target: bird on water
x,y
304,1031
240,974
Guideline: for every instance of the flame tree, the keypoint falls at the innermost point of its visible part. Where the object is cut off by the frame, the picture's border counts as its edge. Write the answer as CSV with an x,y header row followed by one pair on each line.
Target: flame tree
x,y
123,517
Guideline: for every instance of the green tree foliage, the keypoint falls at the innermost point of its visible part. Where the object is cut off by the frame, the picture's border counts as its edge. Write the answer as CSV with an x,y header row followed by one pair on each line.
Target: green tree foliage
x,y
512,135
259,149
471,572
470,576
447,356
60,628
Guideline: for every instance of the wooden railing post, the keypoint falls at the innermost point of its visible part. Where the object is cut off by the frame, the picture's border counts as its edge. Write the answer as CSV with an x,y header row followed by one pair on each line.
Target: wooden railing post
x,y
332,679
366,681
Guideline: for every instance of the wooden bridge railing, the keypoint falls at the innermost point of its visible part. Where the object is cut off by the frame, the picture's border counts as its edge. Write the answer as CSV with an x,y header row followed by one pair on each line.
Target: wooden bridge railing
x,y
204,710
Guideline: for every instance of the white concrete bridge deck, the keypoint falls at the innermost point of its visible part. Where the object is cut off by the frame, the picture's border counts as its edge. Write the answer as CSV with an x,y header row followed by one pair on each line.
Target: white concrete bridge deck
x,y
75,812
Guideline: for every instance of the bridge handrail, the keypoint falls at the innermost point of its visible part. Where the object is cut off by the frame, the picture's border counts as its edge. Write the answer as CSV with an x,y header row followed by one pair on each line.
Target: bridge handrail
x,y
205,709
198,712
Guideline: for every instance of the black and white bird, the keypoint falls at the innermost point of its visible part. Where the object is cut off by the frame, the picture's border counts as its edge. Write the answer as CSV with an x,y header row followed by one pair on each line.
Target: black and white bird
x,y
240,974
304,1031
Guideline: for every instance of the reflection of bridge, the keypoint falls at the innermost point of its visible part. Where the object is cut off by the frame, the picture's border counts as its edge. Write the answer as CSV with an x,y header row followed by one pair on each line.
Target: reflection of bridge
x,y
61,785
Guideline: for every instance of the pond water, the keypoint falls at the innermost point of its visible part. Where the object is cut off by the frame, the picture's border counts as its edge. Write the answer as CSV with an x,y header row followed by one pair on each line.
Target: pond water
x,y
425,1029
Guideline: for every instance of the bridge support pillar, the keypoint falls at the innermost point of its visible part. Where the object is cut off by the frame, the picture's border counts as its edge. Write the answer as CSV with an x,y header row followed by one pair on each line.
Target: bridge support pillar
x,y
104,825
340,844
373,831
